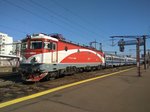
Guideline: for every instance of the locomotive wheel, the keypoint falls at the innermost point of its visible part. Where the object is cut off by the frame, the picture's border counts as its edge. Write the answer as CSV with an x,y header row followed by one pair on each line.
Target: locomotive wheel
x,y
52,76
99,67
77,70
70,70
88,68
81,70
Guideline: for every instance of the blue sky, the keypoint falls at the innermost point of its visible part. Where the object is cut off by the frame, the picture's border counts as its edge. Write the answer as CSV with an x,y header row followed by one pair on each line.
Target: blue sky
x,y
78,20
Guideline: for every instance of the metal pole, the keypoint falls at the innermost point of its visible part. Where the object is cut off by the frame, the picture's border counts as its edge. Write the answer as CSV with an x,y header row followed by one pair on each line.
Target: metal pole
x,y
0,53
100,45
138,56
95,44
148,59
144,39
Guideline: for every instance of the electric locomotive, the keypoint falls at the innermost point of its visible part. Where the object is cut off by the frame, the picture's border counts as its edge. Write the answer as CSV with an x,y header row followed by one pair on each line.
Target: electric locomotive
x,y
50,56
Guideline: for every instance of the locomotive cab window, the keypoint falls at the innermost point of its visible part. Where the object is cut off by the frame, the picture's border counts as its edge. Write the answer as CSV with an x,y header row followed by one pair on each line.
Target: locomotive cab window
x,y
48,45
54,46
36,45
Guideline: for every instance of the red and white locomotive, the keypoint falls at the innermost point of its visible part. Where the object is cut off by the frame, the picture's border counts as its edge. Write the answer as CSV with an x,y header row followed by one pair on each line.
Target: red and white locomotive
x,y
49,56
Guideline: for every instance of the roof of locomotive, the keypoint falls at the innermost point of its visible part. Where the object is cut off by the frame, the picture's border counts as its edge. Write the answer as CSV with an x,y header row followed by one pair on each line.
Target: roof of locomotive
x,y
61,38
39,36
45,36
57,37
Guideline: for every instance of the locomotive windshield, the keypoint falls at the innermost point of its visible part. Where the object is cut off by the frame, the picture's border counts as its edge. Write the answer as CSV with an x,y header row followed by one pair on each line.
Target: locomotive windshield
x,y
36,45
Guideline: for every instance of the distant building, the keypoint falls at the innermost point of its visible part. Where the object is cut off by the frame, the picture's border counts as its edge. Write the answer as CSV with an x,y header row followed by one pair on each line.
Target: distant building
x,y
5,40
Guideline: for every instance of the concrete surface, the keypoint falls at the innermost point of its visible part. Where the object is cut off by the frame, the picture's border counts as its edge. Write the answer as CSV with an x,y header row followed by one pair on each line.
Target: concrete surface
x,y
5,69
124,92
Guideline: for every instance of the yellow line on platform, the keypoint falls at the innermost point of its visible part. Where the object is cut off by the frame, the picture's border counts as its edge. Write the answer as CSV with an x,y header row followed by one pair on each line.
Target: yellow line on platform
x,y
11,102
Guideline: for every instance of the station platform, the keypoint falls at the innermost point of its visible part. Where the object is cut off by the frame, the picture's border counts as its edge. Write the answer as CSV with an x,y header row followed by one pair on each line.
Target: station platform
x,y
122,92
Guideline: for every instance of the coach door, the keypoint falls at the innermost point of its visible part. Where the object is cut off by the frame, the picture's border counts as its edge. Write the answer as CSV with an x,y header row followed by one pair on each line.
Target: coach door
x,y
54,52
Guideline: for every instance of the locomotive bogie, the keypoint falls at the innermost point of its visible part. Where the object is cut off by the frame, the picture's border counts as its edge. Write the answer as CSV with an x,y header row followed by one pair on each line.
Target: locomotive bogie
x,y
36,72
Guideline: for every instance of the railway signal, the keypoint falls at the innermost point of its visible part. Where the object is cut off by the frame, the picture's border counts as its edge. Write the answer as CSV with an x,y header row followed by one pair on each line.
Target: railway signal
x,y
121,44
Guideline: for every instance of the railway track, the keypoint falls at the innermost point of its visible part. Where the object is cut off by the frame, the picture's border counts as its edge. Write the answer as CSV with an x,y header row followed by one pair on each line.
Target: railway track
x,y
11,86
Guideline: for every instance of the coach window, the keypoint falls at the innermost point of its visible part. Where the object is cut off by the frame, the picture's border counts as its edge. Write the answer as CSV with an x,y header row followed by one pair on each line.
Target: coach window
x,y
108,58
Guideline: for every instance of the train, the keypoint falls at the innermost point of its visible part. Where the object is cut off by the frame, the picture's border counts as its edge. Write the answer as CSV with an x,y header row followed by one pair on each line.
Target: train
x,y
113,60
51,56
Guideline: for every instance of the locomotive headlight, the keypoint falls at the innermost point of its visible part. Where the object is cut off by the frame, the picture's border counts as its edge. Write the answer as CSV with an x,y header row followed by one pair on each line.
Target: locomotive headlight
x,y
35,59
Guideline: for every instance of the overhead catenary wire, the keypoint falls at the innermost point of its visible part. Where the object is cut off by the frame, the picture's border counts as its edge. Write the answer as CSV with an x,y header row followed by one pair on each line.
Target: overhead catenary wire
x,y
75,15
34,14
49,11
43,18
66,20
19,21
15,29
83,20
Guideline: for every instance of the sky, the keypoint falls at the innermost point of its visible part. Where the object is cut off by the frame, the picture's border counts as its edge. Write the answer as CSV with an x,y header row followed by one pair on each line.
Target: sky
x,y
80,21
